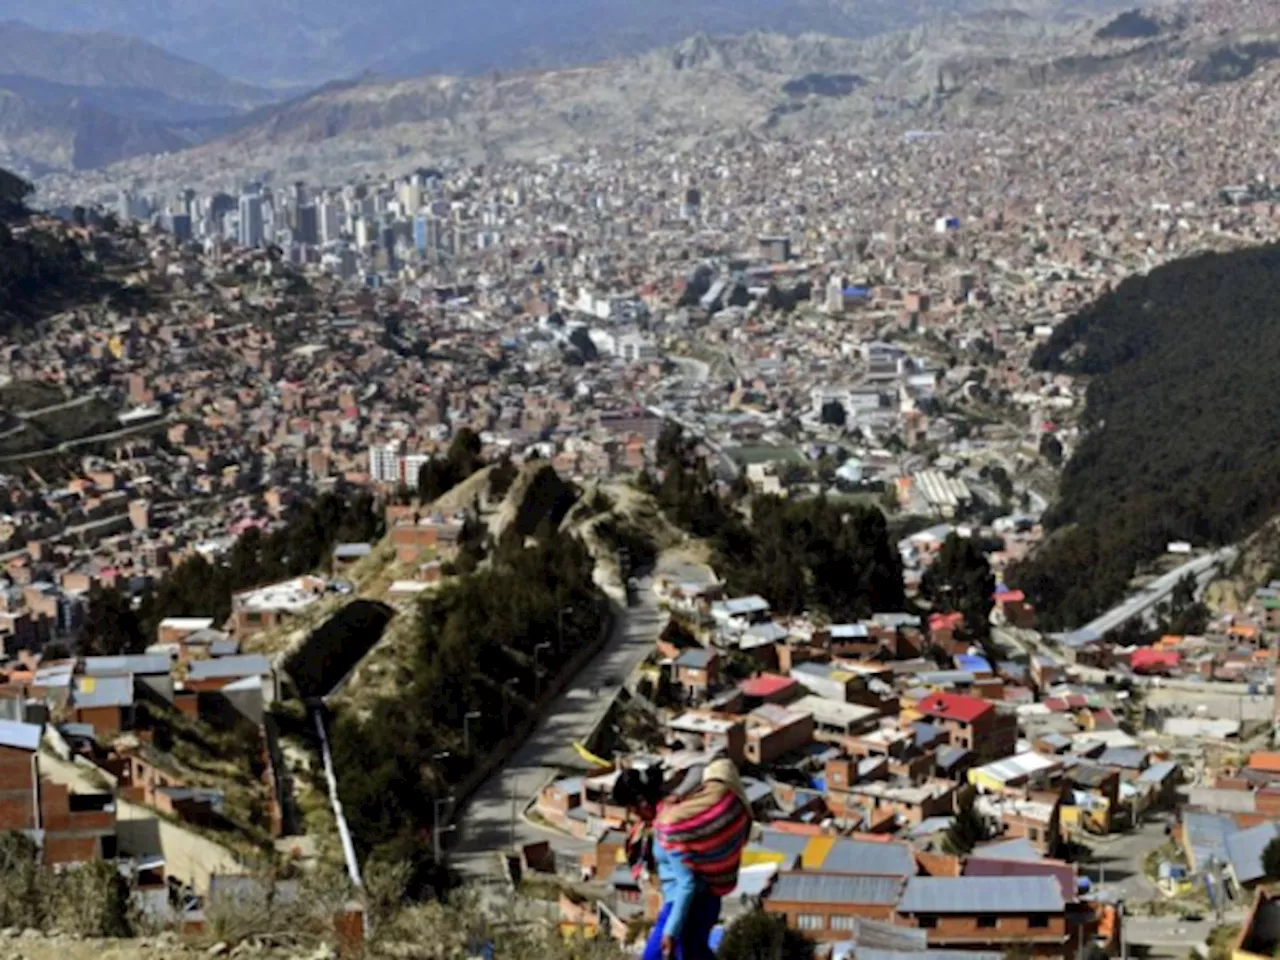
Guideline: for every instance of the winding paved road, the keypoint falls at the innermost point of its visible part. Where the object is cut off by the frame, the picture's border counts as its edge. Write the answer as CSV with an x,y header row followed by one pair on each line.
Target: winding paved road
x,y
485,825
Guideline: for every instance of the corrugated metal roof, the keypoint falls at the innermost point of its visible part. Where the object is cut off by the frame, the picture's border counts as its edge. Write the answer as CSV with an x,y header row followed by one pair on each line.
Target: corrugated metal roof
x,y
791,844
109,691
870,857
878,935
119,666
1244,850
697,658
982,895
834,888
1019,849
1206,834
1128,758
20,736
1158,772
245,665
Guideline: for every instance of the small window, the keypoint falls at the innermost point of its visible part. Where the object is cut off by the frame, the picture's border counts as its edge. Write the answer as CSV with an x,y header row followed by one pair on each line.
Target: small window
x,y
1033,834
986,921
1038,921
928,923
810,921
840,921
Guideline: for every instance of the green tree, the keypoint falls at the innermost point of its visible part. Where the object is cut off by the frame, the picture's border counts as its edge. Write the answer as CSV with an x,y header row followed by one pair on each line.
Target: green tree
x,y
764,936
1051,449
112,627
833,413
1271,860
464,453
967,830
960,580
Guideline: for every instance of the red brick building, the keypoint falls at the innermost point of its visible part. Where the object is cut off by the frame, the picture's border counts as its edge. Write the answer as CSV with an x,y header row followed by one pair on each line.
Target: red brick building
x,y
971,723
73,828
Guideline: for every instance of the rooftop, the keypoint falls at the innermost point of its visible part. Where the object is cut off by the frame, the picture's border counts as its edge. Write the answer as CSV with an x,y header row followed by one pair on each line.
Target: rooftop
x,y
244,665
955,706
20,736
971,895
289,596
832,888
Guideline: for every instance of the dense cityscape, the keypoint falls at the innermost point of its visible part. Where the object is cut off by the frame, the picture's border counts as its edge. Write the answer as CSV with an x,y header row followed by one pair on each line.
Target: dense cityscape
x,y
365,541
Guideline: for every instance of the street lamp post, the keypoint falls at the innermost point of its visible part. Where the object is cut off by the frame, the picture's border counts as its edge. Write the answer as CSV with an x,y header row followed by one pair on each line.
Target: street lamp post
x,y
537,675
560,628
515,793
437,831
506,704
466,729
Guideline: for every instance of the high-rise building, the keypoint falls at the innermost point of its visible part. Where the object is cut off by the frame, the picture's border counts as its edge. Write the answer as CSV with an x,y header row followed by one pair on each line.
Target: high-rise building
x,y
411,466
384,463
251,227
308,225
330,218
835,295
180,226
422,232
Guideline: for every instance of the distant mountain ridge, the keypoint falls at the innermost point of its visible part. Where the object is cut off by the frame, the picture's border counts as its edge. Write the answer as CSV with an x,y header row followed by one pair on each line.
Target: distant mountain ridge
x,y
105,61
312,41
703,86
77,101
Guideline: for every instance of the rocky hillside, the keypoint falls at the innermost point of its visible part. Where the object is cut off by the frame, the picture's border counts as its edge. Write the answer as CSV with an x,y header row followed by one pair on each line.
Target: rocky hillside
x,y
758,84
704,86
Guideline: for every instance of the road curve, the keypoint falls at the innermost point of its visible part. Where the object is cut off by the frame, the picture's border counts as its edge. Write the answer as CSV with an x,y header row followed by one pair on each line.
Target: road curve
x,y
485,825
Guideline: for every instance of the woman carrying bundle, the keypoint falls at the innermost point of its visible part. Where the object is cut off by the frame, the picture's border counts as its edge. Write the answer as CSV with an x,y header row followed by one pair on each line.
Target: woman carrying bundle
x,y
693,839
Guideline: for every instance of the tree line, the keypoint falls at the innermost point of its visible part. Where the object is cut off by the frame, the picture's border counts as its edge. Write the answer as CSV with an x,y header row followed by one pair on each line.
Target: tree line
x,y
1181,439
202,587
484,648
38,268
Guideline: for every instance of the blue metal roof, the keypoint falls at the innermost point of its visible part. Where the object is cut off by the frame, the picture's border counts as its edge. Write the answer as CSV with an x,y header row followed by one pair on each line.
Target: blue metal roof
x,y
1244,850
119,666
103,692
1206,834
696,659
244,665
1158,772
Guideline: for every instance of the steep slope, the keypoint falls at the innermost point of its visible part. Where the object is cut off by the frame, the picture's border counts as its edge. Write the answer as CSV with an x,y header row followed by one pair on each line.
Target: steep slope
x,y
1183,440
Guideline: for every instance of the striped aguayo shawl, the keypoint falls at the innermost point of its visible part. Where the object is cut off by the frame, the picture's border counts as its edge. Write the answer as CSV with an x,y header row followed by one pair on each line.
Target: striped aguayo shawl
x,y
709,828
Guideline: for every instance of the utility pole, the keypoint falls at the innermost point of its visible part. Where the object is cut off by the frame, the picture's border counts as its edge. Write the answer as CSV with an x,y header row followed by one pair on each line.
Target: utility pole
x,y
466,729
437,831
506,704
537,673
560,628
515,793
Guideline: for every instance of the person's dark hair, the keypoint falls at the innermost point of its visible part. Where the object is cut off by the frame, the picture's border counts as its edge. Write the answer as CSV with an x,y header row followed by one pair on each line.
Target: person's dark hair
x,y
634,786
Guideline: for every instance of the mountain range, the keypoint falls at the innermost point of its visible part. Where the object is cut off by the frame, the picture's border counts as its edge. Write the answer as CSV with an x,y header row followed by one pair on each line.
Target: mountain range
x,y
755,84
72,101
298,42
